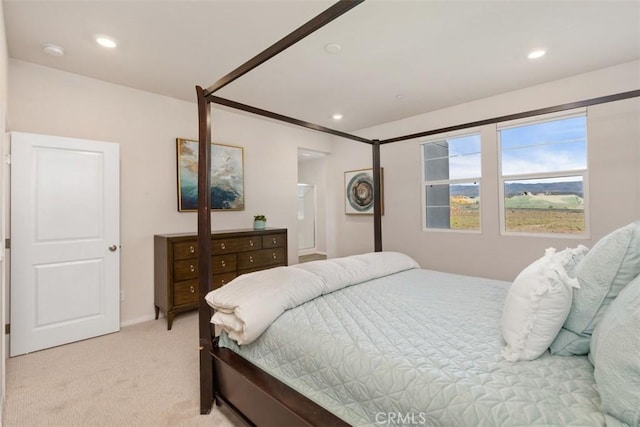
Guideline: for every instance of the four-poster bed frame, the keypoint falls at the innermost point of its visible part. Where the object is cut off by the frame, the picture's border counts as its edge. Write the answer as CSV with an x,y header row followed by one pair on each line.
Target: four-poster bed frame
x,y
224,376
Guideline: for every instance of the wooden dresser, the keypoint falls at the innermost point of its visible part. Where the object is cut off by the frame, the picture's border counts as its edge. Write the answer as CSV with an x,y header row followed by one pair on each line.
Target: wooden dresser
x,y
233,252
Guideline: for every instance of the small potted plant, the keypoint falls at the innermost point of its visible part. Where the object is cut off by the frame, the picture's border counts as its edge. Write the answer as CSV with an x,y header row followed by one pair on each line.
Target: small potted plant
x,y
259,222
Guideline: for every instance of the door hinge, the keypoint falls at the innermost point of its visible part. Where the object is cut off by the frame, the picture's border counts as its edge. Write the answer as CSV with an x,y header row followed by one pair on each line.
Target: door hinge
x,y
7,329
7,243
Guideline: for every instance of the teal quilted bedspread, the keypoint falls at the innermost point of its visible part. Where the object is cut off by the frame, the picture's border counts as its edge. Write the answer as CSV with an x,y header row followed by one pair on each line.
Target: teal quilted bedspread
x,y
420,348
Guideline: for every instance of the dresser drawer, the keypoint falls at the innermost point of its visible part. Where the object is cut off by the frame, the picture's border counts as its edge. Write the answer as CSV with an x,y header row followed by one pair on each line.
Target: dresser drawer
x,y
236,244
223,263
222,279
185,269
185,292
261,258
188,268
184,250
274,241
251,270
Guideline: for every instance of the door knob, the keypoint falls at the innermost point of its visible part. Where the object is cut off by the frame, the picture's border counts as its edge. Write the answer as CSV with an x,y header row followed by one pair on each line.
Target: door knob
x,y
113,248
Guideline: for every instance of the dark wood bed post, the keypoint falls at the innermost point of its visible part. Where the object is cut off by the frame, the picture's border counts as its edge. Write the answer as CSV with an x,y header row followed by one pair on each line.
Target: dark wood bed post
x,y
377,199
204,251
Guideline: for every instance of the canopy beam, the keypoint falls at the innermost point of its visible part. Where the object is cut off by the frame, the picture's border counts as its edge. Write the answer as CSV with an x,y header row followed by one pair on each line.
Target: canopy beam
x,y
303,31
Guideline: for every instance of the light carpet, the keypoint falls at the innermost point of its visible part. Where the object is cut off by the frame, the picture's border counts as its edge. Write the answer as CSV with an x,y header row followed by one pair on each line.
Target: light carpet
x,y
311,257
143,375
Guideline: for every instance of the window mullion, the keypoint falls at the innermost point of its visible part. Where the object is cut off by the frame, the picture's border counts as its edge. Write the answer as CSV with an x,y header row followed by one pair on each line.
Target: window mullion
x,y
544,175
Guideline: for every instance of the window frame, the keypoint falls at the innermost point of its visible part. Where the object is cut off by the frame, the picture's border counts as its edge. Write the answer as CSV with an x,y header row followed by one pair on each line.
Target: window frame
x,y
584,173
424,182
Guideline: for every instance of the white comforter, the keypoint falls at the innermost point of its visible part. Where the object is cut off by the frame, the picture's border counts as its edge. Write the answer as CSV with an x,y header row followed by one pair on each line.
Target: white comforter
x,y
245,307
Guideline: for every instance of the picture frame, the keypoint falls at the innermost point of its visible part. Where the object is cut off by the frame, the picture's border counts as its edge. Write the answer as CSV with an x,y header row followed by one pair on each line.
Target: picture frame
x,y
358,192
227,176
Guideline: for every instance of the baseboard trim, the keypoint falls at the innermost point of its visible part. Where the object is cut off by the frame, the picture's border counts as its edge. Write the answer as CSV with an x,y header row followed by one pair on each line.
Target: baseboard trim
x,y
137,320
305,252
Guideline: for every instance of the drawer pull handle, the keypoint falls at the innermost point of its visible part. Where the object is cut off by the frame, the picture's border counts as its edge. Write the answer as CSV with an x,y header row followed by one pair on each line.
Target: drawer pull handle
x,y
274,240
250,259
193,291
222,282
192,249
251,243
274,255
192,268
224,264
222,246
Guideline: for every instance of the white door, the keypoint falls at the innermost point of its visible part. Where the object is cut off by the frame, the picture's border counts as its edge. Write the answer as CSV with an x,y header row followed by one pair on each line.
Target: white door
x,y
65,236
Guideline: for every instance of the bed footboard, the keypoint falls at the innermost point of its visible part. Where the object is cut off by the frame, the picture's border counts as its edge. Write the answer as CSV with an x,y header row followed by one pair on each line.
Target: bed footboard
x,y
259,398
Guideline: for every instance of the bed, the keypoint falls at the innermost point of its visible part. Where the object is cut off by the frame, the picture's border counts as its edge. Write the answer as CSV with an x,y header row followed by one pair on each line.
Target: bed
x,y
374,340
247,378
423,347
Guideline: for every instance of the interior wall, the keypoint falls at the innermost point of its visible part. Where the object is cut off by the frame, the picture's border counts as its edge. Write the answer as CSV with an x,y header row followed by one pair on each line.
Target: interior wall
x,y
314,172
3,116
48,101
349,234
614,179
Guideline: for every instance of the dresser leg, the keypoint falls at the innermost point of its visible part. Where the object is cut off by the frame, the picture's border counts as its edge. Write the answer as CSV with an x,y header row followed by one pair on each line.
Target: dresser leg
x,y
157,312
170,317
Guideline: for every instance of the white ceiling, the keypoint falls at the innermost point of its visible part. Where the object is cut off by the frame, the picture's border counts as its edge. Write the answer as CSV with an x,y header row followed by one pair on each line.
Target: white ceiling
x,y
398,58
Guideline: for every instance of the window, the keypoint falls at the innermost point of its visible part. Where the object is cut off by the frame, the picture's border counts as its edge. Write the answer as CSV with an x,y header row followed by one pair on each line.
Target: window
x,y
451,177
544,172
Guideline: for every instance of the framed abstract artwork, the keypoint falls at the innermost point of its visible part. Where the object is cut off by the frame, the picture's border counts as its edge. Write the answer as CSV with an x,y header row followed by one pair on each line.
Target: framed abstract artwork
x,y
358,191
227,176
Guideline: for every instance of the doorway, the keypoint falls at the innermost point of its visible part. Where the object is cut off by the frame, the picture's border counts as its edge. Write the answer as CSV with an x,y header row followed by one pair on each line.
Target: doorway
x,y
312,205
307,215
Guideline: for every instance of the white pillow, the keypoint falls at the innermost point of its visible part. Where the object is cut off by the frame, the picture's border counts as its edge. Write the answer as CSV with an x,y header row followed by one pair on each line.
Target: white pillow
x,y
536,306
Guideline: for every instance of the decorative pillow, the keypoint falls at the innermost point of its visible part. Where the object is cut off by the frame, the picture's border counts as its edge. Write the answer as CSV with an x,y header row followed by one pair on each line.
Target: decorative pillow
x,y
570,257
615,354
536,306
612,263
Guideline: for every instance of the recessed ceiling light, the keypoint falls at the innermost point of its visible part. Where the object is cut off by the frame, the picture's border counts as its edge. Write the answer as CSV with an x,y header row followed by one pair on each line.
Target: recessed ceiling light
x,y
535,54
53,49
332,48
337,116
106,42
